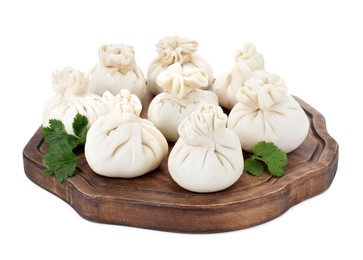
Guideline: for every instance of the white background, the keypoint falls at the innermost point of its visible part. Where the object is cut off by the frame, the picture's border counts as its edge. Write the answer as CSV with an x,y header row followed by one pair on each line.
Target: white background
x,y
314,45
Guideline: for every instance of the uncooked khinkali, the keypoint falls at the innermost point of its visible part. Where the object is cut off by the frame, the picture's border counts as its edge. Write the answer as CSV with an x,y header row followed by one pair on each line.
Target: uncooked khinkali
x,y
117,70
121,144
72,98
266,112
251,57
174,49
180,99
226,85
207,157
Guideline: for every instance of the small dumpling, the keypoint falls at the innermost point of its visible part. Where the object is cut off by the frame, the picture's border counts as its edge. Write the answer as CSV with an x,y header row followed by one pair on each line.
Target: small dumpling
x,y
117,70
225,86
266,112
174,49
121,144
180,99
207,157
72,98
251,57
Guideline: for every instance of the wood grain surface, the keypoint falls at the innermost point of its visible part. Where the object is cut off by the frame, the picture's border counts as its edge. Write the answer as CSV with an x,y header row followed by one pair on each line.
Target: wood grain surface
x,y
155,201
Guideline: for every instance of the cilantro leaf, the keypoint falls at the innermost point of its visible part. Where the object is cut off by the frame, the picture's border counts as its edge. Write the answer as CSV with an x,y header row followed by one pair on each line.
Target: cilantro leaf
x,y
254,167
268,153
54,126
62,165
79,126
60,159
276,163
263,149
56,135
67,169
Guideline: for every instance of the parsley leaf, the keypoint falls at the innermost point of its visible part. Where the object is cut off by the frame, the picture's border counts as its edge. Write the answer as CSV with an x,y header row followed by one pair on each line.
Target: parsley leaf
x,y
60,159
79,126
268,153
62,165
56,135
254,167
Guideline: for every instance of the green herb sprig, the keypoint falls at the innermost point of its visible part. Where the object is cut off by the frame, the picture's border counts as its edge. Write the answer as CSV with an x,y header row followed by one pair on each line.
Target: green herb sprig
x,y
60,159
269,154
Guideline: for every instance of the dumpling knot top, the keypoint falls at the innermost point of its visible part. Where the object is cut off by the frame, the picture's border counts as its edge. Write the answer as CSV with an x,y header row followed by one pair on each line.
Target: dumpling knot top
x,y
250,56
174,49
203,126
262,91
247,61
118,56
180,99
180,83
266,112
123,103
117,70
72,98
207,157
69,82
121,144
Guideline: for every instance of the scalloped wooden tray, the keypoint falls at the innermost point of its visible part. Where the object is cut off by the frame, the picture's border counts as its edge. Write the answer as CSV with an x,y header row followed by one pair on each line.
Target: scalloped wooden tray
x,y
155,201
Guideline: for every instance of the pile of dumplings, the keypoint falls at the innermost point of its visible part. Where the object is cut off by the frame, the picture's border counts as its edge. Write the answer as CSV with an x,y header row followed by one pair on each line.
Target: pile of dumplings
x,y
186,110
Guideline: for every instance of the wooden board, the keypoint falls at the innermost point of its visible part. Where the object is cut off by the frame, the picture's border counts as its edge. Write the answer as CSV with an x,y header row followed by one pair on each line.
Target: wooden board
x,y
155,201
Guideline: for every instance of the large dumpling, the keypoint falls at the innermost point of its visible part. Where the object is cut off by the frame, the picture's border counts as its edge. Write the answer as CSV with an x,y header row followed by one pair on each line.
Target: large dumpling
x,y
174,49
207,157
121,144
266,112
71,99
117,70
181,97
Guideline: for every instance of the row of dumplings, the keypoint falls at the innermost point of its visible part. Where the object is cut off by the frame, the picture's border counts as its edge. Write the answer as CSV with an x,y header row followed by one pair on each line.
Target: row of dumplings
x,y
207,156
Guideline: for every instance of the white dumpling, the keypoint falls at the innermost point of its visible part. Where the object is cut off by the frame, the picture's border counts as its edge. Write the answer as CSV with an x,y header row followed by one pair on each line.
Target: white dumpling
x,y
121,144
266,112
117,70
72,98
180,99
250,56
226,85
207,157
174,49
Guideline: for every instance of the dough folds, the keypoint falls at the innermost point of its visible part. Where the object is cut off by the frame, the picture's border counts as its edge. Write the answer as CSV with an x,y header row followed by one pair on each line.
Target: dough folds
x,y
117,70
121,144
225,86
174,49
72,98
207,157
181,97
266,112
